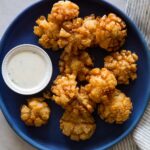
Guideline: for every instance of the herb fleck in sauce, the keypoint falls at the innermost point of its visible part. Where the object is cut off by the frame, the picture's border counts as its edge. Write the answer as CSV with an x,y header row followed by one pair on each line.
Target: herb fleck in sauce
x,y
26,69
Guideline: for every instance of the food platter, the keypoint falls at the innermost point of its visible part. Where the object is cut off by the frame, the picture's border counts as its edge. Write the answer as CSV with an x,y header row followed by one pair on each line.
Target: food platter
x,y
49,136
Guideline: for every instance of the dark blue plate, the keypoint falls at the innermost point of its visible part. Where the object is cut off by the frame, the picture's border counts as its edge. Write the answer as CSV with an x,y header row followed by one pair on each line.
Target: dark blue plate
x,y
49,136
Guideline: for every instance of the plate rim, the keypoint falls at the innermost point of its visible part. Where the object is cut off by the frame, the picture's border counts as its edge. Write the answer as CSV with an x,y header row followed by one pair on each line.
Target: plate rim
x,y
19,133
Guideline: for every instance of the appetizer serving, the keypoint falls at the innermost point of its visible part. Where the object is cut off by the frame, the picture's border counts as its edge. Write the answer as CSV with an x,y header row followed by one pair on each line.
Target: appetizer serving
x,y
36,113
63,28
97,86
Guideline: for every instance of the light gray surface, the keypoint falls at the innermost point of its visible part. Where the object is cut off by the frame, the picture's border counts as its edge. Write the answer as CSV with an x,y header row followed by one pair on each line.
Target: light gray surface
x,y
8,10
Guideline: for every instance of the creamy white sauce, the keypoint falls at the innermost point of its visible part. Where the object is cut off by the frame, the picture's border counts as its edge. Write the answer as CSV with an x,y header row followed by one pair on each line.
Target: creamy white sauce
x,y
26,69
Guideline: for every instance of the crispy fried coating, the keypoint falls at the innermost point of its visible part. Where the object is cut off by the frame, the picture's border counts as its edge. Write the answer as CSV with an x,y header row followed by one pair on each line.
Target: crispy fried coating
x,y
63,29
101,81
79,64
72,24
48,33
82,101
111,32
64,89
123,65
47,94
85,101
64,10
77,123
117,109
78,34
35,113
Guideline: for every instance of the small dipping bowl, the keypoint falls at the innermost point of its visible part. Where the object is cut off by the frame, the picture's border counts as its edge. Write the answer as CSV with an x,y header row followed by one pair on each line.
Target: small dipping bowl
x,y
27,69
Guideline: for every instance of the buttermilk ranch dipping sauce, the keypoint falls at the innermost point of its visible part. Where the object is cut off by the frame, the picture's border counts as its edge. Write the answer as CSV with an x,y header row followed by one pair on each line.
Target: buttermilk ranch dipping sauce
x,y
27,69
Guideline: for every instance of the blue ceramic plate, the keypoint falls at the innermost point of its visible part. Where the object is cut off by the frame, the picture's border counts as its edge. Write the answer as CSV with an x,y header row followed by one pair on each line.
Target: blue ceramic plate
x,y
49,136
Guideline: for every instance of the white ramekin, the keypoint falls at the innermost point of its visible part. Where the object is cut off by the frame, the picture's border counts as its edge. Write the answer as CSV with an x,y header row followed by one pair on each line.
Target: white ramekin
x,y
42,84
